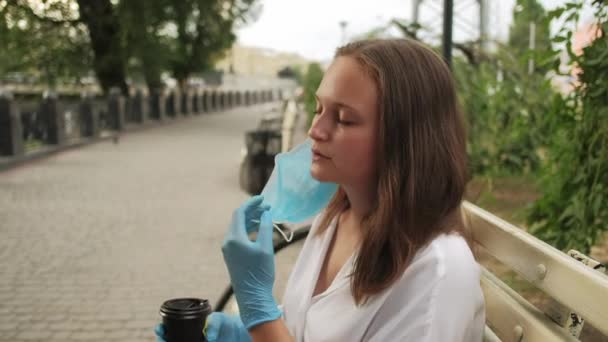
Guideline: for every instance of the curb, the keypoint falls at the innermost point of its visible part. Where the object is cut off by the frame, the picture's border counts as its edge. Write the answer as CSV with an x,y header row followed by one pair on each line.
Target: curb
x,y
48,151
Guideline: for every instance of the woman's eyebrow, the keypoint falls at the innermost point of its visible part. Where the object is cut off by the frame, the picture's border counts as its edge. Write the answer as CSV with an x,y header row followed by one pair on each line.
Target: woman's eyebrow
x,y
338,104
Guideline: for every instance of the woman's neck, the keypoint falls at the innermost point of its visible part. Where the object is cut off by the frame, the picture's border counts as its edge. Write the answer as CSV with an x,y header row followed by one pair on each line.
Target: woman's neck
x,y
360,203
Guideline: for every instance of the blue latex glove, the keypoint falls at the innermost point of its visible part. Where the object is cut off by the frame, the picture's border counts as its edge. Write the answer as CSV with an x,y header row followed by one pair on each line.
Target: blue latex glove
x,y
229,328
159,330
252,217
251,263
219,327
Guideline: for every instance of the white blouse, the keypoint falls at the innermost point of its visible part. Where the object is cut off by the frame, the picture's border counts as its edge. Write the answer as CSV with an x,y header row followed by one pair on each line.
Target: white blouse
x,y
438,297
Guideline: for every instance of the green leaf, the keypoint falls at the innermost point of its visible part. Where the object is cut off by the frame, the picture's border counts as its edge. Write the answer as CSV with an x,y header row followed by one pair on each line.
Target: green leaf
x,y
603,57
560,39
556,13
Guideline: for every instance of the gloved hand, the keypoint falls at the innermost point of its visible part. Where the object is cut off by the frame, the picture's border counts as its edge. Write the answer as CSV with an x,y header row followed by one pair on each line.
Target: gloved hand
x,y
252,218
219,327
251,263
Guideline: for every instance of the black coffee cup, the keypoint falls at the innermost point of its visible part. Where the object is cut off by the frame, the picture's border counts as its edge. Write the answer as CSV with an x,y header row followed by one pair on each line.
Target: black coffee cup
x,y
184,319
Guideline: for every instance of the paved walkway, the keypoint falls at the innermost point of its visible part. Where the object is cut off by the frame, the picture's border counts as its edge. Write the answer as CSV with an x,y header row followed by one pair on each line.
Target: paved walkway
x,y
93,240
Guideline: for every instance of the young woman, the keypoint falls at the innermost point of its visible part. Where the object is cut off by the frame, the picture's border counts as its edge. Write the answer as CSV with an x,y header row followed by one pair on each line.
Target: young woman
x,y
388,258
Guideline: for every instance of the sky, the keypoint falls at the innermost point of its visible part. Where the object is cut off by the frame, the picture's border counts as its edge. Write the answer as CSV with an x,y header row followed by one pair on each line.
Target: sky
x,y
312,28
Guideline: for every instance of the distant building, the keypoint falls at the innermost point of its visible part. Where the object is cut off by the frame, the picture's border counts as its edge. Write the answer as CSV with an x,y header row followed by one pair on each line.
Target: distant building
x,y
255,61
246,67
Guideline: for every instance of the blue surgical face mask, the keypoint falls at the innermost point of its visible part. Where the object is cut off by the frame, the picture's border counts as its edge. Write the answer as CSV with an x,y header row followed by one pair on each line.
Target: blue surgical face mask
x,y
293,195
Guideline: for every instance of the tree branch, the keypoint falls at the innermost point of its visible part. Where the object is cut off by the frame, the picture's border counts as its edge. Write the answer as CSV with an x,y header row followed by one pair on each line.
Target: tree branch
x,y
405,29
469,52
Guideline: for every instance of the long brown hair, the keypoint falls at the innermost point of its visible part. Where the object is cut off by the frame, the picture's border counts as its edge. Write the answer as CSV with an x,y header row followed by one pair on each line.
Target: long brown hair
x,y
422,163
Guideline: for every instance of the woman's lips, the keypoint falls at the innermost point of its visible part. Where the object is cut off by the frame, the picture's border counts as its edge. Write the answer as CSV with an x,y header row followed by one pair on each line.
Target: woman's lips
x,y
316,155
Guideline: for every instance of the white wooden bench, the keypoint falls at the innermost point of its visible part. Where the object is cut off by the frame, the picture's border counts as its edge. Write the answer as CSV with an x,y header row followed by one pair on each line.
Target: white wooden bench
x,y
576,284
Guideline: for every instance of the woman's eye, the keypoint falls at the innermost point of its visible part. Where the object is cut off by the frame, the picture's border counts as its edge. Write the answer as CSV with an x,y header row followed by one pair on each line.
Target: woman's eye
x,y
342,120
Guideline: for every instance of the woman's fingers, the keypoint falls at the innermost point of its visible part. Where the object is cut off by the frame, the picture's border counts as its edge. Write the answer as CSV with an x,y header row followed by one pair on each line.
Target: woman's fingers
x,y
212,327
253,201
243,219
265,235
255,214
159,330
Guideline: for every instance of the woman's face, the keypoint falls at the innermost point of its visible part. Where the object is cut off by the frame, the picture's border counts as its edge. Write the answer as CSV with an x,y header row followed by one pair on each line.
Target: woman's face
x,y
344,129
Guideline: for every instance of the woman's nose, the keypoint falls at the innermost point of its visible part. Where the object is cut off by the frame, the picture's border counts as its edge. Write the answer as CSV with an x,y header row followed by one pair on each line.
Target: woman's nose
x,y
318,129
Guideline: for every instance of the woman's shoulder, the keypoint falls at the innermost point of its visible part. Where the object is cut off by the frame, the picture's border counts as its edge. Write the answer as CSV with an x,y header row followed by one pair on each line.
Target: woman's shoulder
x,y
438,297
454,253
448,257
444,265
451,277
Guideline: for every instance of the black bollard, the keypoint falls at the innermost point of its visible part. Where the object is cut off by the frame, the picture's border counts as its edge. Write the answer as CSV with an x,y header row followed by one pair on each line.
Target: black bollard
x,y
53,118
247,101
173,104
186,103
116,110
140,107
11,132
89,118
214,100
230,99
157,104
194,100
222,100
207,101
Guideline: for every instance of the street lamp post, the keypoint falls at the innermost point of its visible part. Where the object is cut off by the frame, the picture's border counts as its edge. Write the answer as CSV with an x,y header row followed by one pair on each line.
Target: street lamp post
x,y
343,25
448,7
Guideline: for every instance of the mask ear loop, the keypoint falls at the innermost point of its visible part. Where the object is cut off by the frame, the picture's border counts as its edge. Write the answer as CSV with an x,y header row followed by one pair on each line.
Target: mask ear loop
x,y
278,228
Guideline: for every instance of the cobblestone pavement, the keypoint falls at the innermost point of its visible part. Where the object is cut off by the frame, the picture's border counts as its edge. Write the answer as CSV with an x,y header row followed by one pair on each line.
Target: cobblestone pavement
x,y
93,240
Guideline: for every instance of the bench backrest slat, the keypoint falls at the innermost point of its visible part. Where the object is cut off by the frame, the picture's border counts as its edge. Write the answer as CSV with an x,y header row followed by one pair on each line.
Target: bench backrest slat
x,y
568,281
513,318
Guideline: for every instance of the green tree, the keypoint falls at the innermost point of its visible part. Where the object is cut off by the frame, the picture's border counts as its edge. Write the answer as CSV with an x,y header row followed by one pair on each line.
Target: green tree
x,y
506,112
573,211
204,32
105,32
525,13
120,39
48,45
505,106
61,37
312,80
147,50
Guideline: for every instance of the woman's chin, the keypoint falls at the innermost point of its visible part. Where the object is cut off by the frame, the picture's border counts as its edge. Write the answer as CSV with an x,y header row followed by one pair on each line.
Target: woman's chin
x,y
320,175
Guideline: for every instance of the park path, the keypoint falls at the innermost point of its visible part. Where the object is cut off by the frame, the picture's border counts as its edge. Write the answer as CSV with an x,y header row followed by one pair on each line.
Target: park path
x,y
94,239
